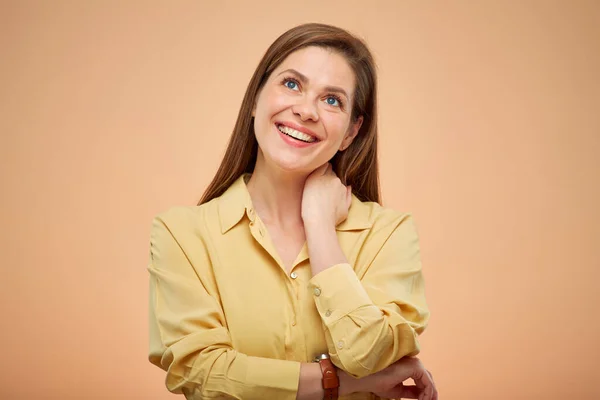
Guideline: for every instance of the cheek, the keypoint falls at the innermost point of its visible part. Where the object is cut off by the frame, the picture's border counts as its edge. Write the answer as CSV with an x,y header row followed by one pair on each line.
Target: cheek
x,y
272,102
269,105
278,103
336,126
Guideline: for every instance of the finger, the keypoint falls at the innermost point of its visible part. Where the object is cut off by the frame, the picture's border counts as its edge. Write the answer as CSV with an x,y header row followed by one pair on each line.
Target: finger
x,y
410,392
402,391
434,395
417,375
434,392
426,383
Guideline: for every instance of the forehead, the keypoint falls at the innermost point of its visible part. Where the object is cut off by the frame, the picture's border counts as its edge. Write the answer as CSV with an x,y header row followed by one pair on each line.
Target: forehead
x,y
322,66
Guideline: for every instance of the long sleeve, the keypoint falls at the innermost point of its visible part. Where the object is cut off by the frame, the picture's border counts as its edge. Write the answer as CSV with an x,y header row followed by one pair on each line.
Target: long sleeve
x,y
374,320
188,334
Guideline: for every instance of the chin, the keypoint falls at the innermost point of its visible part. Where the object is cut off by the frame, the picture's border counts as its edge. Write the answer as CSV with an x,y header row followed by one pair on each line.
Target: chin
x,y
292,164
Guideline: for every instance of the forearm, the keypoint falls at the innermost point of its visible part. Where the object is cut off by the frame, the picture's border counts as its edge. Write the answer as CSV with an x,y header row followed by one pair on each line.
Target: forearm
x,y
224,372
367,331
310,386
324,248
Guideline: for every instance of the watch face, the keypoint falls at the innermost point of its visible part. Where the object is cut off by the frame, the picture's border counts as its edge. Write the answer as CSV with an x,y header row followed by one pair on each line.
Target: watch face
x,y
320,357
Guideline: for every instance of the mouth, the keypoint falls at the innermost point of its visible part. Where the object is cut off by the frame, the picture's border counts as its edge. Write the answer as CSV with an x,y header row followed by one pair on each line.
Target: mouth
x,y
295,134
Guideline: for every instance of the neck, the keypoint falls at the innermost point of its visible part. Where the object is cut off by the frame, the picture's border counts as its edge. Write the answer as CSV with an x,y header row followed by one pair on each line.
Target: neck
x,y
276,194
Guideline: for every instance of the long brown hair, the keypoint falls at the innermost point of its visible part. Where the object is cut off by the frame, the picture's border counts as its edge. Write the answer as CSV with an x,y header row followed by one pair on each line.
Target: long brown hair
x,y
357,165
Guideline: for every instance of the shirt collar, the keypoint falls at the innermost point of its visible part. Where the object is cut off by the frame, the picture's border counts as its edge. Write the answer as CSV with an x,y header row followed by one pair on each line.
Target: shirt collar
x,y
236,202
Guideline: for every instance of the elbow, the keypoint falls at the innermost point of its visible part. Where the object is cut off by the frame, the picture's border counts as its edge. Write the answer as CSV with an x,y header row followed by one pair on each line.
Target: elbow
x,y
189,374
177,383
373,353
364,355
164,359
176,380
186,371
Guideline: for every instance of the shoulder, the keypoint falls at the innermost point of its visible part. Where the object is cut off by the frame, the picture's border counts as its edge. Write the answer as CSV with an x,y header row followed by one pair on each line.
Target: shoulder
x,y
178,215
180,234
387,227
390,236
182,221
379,218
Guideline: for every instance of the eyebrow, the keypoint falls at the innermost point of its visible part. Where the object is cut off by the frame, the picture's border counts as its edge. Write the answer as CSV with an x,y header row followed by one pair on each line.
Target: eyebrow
x,y
304,80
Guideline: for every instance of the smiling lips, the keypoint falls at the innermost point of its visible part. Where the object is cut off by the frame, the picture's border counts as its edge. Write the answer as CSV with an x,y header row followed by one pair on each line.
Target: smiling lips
x,y
286,130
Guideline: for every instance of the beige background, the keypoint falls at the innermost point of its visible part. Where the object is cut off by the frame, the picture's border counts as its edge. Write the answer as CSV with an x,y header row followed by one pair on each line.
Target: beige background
x,y
111,111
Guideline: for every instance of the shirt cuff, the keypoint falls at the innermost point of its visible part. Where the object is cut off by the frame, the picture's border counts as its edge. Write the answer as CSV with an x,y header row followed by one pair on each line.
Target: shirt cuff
x,y
276,378
337,291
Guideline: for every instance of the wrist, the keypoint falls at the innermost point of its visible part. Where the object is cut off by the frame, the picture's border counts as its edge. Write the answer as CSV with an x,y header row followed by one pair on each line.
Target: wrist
x,y
319,228
318,221
324,249
349,384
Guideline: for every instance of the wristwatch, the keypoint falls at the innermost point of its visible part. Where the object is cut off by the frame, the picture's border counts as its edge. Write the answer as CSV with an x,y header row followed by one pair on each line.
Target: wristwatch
x,y
331,382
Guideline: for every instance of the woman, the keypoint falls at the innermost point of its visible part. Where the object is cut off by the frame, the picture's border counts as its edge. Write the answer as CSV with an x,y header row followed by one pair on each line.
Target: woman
x,y
288,256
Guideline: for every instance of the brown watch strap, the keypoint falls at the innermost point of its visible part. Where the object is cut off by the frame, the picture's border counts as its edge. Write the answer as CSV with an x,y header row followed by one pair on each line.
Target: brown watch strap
x,y
331,382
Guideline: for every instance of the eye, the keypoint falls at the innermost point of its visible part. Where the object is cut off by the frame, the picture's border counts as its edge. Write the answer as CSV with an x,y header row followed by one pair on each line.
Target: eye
x,y
290,83
334,101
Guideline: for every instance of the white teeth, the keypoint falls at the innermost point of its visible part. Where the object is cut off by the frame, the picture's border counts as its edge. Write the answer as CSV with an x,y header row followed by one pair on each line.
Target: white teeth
x,y
295,134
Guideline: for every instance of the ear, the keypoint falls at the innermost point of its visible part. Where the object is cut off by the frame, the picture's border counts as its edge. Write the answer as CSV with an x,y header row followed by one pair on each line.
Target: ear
x,y
352,132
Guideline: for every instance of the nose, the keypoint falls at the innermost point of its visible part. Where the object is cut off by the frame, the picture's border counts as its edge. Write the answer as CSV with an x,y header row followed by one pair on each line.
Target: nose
x,y
306,109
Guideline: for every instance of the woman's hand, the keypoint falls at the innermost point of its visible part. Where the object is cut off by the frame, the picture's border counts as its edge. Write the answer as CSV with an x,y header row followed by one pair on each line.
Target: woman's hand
x,y
325,199
387,383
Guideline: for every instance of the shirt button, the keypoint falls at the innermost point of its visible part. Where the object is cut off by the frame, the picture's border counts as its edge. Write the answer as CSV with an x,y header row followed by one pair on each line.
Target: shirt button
x,y
293,275
294,323
340,344
317,291
328,313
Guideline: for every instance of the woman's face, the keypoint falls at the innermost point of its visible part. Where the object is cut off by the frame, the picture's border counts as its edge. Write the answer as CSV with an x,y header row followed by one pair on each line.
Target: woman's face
x,y
302,113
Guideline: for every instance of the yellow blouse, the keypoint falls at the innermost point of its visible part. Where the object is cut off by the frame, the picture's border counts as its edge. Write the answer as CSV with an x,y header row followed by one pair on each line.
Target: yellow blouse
x,y
228,321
